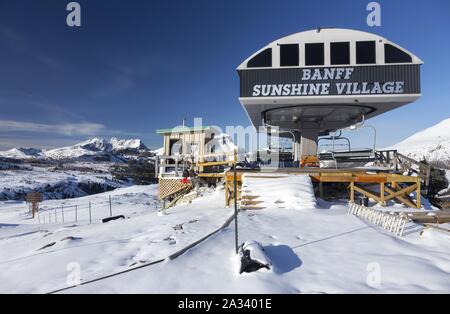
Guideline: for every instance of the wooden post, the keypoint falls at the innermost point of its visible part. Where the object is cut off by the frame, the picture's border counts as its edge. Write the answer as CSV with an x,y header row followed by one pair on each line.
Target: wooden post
x,y
227,193
352,192
321,189
382,192
418,195
34,198
76,213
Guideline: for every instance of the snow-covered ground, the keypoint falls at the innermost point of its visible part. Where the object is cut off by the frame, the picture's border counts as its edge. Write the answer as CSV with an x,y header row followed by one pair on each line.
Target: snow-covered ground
x,y
99,249
314,246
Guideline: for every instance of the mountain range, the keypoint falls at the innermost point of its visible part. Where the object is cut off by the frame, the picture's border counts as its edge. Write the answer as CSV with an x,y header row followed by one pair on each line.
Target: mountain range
x,y
93,149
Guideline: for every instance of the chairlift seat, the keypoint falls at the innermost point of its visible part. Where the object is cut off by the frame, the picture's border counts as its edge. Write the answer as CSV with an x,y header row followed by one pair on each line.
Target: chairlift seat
x,y
356,153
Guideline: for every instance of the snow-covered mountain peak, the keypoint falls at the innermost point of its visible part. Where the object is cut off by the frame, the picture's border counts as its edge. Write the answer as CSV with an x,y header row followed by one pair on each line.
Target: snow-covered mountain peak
x,y
118,144
93,147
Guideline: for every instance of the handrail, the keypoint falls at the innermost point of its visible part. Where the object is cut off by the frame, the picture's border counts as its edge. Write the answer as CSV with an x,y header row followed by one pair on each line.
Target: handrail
x,y
196,161
393,158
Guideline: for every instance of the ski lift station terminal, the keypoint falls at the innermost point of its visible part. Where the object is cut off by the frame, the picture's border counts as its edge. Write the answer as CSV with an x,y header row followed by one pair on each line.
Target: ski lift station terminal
x,y
308,87
319,81
288,203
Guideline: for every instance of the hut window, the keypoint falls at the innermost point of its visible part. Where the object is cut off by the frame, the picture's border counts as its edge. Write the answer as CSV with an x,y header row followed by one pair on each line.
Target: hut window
x,y
314,54
394,55
192,148
289,55
340,53
175,147
261,60
365,52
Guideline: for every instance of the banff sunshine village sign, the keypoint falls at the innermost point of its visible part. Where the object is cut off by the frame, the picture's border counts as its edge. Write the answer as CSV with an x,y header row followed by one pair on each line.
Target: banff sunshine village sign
x,y
331,81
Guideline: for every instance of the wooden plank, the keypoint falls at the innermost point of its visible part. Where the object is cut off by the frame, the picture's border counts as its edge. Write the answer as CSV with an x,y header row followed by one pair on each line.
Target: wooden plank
x,y
211,175
248,202
431,219
382,192
213,163
335,179
367,193
370,179
401,192
401,178
418,196
402,199
352,192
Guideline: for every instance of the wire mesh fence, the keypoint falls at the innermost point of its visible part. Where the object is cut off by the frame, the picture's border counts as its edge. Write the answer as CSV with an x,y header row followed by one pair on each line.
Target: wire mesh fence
x,y
87,212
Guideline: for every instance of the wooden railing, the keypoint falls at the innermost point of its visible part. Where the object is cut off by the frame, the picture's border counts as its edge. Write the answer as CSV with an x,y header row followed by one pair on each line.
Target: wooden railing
x,y
401,163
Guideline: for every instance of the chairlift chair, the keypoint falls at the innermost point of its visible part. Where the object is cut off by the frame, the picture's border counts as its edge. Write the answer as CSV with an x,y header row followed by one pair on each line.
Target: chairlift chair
x,y
350,154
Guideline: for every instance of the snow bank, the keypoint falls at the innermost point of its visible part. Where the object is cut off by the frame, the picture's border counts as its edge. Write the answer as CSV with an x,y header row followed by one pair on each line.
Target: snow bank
x,y
280,191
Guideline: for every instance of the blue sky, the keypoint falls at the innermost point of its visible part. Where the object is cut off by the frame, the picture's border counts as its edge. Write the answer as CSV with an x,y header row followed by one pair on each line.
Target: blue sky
x,y
135,66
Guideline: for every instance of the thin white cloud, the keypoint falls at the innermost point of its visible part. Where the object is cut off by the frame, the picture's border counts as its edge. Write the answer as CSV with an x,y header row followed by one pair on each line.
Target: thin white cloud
x,y
67,129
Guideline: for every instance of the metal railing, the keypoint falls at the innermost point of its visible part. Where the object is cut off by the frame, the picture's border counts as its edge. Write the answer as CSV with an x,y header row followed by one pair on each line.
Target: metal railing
x,y
87,212
177,164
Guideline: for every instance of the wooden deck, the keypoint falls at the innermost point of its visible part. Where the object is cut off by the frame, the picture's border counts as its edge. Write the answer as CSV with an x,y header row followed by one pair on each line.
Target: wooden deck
x,y
391,186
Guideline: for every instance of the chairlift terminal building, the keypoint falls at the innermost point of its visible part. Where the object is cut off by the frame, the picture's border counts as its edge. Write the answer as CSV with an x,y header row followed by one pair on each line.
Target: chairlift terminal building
x,y
314,82
304,86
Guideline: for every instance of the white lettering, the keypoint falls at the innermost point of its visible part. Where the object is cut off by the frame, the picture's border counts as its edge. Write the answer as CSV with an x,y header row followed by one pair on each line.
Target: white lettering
x,y
306,74
374,17
256,90
388,87
74,17
348,73
399,87
316,75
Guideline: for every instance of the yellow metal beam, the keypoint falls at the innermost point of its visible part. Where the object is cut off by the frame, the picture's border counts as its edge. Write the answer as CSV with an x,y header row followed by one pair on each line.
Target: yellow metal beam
x,y
213,163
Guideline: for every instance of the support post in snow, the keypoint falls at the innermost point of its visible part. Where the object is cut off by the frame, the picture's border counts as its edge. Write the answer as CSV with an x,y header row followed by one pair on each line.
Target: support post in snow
x,y
49,218
110,207
90,216
76,213
62,211
235,203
